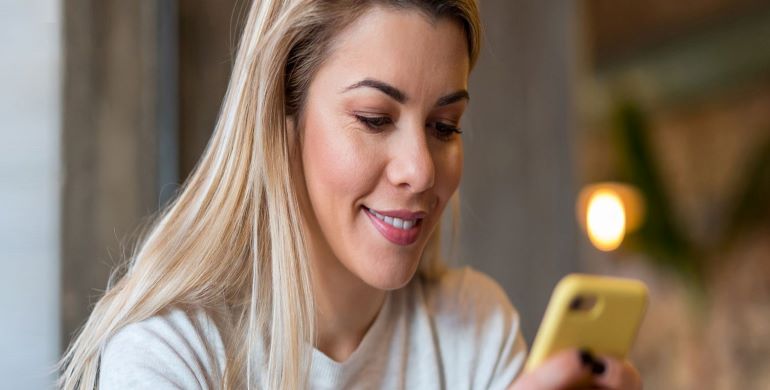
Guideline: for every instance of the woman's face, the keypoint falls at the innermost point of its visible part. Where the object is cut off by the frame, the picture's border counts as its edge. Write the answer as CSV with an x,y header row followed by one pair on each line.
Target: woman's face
x,y
380,152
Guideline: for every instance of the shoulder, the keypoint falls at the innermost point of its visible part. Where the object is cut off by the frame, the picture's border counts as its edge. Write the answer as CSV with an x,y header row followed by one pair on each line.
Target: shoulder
x,y
477,328
174,349
468,294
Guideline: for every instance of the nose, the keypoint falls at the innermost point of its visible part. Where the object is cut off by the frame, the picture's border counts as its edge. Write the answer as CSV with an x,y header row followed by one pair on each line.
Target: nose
x,y
412,166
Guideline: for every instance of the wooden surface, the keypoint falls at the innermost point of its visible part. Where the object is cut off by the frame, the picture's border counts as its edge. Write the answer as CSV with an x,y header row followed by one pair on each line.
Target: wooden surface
x,y
109,142
208,34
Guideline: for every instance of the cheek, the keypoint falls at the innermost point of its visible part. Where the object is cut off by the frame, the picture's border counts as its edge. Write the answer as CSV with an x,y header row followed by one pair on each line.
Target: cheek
x,y
337,167
449,169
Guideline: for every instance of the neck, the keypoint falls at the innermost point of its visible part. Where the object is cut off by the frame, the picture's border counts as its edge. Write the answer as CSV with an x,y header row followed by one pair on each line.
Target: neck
x,y
345,307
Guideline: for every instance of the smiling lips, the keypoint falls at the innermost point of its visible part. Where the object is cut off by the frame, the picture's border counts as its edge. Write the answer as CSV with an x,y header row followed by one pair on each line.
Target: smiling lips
x,y
399,227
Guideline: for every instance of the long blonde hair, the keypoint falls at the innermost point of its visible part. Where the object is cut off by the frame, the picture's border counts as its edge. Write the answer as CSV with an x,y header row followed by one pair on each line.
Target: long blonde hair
x,y
231,242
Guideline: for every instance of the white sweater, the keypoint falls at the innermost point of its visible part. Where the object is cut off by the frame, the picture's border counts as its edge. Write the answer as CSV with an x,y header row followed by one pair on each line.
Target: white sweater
x,y
459,333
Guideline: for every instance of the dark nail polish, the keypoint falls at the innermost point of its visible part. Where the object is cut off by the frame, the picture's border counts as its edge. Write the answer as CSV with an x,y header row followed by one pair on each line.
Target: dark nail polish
x,y
586,358
597,368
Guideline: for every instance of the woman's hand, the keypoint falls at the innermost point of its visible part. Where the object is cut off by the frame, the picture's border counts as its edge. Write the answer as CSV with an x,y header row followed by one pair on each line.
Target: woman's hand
x,y
574,369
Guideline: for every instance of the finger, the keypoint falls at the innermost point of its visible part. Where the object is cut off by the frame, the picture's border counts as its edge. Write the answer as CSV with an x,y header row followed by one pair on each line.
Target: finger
x,y
617,374
563,370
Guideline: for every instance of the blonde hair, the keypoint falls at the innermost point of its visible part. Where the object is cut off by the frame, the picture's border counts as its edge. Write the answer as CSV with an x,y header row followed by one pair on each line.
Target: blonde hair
x,y
231,242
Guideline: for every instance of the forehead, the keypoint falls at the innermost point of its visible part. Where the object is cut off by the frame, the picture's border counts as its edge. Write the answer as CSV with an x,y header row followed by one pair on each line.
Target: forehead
x,y
403,47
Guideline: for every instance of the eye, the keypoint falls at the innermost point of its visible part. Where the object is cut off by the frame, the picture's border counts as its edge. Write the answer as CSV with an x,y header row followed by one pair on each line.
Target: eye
x,y
444,131
373,122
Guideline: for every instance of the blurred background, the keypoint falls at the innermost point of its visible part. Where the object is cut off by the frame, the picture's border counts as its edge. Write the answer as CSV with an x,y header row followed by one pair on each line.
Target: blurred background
x,y
624,138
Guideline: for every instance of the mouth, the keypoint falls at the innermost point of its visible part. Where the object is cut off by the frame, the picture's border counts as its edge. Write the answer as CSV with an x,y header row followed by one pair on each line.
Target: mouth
x,y
399,227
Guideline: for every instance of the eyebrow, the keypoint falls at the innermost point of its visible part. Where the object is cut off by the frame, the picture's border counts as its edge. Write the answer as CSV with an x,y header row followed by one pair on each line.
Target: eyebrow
x,y
453,97
399,96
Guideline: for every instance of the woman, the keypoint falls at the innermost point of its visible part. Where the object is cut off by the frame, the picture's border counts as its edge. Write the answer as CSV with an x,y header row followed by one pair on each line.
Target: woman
x,y
303,250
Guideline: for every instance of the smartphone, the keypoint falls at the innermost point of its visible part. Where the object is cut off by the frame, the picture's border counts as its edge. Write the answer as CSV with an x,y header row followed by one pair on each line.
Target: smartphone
x,y
598,313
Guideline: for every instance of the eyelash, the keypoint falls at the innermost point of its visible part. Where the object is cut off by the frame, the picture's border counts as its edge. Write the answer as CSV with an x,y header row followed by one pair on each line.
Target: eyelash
x,y
443,130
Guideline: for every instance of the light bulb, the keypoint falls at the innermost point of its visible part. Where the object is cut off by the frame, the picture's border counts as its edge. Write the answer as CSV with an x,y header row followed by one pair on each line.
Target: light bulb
x,y
605,220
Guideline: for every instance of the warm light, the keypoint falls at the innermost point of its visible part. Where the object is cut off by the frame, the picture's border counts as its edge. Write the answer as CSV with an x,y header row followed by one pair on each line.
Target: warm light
x,y
605,220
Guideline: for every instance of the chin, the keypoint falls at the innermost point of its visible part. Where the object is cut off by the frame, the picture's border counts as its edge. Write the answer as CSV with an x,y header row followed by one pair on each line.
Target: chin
x,y
389,275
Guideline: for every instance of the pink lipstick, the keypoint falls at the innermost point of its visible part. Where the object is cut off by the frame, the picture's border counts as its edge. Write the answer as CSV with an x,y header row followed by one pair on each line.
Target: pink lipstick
x,y
401,227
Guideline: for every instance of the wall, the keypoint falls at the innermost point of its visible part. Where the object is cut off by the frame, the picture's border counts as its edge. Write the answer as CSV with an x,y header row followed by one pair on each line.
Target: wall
x,y
115,120
29,192
517,196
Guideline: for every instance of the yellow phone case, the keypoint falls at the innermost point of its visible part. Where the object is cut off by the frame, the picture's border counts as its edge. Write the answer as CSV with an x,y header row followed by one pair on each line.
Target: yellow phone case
x,y
608,327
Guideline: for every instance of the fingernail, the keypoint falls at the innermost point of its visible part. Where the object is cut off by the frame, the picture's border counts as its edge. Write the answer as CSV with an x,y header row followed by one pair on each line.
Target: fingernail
x,y
586,358
598,367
